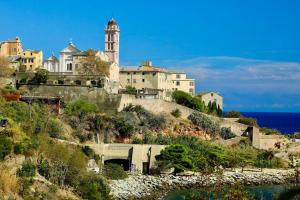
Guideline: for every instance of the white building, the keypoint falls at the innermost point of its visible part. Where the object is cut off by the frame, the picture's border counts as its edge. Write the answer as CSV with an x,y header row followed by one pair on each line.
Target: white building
x,y
51,64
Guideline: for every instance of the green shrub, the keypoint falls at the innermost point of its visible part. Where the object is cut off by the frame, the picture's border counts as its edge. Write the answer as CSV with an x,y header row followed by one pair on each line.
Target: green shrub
x,y
28,169
187,100
130,90
26,147
114,171
269,131
205,123
54,129
137,140
176,113
124,126
233,114
80,108
175,156
41,76
94,187
226,133
248,121
43,167
5,146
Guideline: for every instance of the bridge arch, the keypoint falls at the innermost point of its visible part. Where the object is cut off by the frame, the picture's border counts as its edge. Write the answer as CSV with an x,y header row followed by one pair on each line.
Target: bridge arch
x,y
125,163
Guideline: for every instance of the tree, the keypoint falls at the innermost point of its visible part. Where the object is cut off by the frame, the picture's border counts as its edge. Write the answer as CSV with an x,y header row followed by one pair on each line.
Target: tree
x,y
91,64
41,76
175,156
233,114
187,100
130,90
5,70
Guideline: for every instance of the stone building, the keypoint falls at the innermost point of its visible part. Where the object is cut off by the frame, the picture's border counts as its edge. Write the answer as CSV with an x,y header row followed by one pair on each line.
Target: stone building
x,y
212,97
154,82
32,59
11,47
112,40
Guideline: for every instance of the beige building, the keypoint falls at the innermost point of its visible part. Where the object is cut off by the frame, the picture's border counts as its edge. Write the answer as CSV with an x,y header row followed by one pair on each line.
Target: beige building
x,y
181,82
155,82
11,47
32,59
212,97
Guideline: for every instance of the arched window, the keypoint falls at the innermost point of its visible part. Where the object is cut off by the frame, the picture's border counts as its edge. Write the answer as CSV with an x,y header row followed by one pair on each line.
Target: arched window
x,y
69,67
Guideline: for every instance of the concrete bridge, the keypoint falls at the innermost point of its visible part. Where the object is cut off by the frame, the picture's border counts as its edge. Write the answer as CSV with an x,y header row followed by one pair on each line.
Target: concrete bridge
x,y
133,157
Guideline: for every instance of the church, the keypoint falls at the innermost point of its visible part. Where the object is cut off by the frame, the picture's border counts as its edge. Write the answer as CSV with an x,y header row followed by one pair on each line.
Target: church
x,y
69,57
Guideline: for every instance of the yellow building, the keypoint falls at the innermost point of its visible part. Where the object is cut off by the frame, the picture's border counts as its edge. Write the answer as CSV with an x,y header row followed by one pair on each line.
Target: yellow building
x,y
155,82
32,59
11,47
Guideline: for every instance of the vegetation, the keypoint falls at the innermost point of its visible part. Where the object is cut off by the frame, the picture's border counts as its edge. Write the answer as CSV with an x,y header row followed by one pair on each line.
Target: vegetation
x,y
188,100
248,121
269,131
205,123
175,156
176,113
41,76
214,109
226,133
5,146
114,171
233,114
28,169
93,65
80,108
130,90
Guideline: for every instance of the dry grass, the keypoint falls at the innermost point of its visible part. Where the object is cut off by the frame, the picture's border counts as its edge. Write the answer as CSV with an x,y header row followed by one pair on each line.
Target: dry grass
x,y
9,183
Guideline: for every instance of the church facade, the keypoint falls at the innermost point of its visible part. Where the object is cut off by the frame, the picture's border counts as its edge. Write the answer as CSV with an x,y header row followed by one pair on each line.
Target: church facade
x,y
70,57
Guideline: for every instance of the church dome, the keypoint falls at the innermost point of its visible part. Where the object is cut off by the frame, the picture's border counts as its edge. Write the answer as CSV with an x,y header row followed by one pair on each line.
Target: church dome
x,y
112,22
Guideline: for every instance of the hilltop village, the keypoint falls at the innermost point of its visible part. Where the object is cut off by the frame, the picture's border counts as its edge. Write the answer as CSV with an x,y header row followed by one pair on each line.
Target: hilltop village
x,y
82,126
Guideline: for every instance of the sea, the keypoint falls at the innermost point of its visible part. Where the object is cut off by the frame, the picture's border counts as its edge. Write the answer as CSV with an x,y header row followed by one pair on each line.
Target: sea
x,y
286,123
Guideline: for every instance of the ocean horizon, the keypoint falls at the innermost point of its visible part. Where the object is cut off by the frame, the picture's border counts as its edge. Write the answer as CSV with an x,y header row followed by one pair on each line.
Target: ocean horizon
x,y
285,122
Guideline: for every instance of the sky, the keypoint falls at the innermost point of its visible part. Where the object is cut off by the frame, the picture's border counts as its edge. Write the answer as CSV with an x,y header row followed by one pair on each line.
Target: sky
x,y
248,51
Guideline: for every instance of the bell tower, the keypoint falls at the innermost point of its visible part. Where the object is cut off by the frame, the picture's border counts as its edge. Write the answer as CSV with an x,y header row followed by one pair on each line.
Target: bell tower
x,y
112,36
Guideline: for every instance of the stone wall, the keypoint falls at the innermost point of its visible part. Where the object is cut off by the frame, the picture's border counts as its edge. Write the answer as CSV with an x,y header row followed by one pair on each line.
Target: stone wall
x,y
106,102
267,142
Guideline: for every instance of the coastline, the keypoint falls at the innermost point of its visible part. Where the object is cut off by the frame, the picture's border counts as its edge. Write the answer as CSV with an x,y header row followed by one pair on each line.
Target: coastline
x,y
138,186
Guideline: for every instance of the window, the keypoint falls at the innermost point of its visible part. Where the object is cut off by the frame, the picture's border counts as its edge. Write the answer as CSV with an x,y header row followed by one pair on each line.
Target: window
x,y
30,66
134,72
154,73
134,80
31,54
212,94
108,37
191,83
177,76
112,37
128,73
177,83
112,46
128,80
191,90
69,67
143,80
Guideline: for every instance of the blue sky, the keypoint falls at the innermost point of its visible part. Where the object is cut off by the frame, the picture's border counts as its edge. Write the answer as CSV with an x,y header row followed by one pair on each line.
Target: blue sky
x,y
249,51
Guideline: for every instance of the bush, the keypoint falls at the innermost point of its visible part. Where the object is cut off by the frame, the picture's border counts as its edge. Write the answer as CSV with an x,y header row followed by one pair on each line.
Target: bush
x,y
269,131
114,171
146,118
94,187
175,156
130,90
54,129
176,113
226,133
248,121
187,100
41,76
205,123
5,146
124,127
233,114
28,169
80,108
26,147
